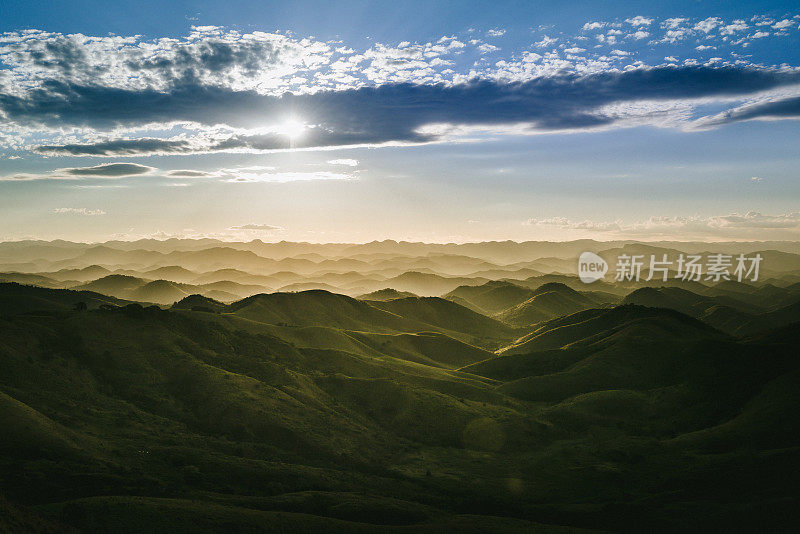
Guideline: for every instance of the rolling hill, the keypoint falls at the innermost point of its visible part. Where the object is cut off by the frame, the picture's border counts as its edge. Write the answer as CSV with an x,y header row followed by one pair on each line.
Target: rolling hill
x,y
315,411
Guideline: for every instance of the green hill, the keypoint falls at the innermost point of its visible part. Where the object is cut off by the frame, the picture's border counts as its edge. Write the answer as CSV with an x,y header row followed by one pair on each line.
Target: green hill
x,y
448,316
493,297
385,294
200,302
548,301
584,325
311,411
318,308
16,299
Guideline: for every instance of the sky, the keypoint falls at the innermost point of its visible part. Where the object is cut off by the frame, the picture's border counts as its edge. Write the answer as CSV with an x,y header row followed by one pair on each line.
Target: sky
x,y
423,121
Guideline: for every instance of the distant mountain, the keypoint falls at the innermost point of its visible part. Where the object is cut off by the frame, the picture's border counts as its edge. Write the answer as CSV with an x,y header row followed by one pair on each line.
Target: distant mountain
x,y
429,284
85,274
173,273
159,291
113,284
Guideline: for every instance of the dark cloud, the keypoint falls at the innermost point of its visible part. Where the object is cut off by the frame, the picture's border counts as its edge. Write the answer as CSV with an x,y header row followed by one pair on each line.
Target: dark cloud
x,y
118,147
188,173
372,115
788,108
110,170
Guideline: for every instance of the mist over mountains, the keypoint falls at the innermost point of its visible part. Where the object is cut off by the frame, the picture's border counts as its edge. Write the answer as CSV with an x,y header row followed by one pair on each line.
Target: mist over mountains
x,y
196,385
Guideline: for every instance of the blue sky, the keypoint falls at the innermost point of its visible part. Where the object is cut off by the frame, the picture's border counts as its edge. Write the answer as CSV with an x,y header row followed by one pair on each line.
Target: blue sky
x,y
446,121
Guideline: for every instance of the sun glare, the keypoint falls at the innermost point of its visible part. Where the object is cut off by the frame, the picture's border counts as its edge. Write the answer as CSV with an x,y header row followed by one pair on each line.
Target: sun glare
x,y
292,128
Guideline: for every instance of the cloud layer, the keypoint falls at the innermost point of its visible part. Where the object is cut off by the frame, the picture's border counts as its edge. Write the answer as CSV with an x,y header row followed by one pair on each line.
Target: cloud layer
x,y
749,225
391,113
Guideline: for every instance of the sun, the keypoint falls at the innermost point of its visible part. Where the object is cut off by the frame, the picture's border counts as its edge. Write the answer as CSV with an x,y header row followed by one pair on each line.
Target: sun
x,y
292,128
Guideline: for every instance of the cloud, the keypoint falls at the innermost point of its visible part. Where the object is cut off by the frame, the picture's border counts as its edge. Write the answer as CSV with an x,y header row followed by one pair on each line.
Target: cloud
x,y
545,42
118,147
496,32
707,25
386,114
749,225
256,227
486,48
108,170
593,26
673,23
78,211
254,174
736,26
639,21
787,108
348,162
189,173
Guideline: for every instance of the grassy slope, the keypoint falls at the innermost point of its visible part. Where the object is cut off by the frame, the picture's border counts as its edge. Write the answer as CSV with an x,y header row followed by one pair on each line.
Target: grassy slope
x,y
623,419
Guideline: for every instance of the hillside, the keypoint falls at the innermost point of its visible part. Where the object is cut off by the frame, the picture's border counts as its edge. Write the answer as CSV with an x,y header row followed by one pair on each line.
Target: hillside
x,y
315,411
548,301
492,297
386,294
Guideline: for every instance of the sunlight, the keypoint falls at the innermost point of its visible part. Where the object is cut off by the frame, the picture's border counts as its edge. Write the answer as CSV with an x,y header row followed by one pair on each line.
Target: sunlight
x,y
292,128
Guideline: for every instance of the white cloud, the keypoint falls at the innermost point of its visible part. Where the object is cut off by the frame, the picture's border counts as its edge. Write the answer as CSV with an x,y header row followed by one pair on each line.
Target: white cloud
x,y
348,162
78,211
496,32
638,35
673,23
750,225
240,176
546,41
707,25
486,48
785,23
737,26
639,20
594,26
256,227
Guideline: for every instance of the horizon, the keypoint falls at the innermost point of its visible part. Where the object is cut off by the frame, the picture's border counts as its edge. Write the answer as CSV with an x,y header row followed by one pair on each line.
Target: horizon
x,y
403,241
